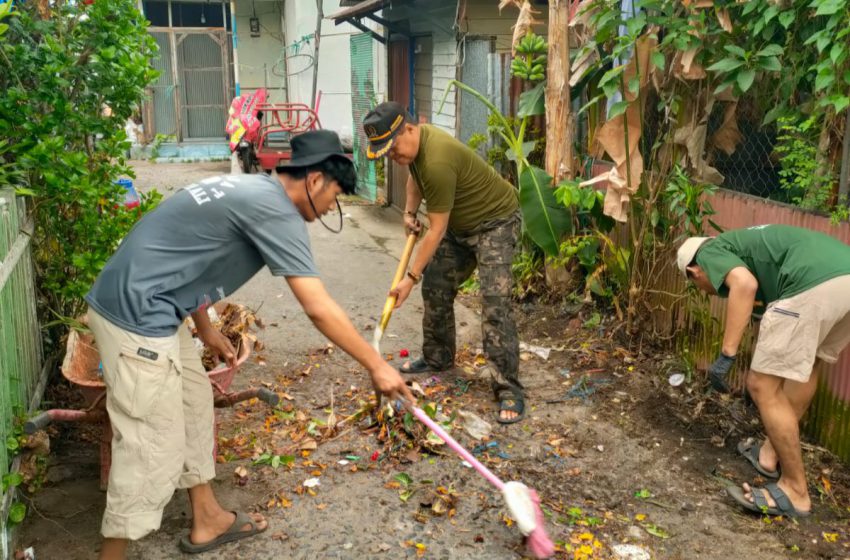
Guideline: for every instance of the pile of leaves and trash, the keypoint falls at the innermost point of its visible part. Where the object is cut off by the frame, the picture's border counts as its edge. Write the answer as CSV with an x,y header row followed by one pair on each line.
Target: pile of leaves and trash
x,y
236,322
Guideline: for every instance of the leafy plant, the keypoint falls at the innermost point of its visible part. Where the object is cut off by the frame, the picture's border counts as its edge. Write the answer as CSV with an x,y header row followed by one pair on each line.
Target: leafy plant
x,y
738,69
800,174
527,271
476,139
17,513
71,78
689,205
11,480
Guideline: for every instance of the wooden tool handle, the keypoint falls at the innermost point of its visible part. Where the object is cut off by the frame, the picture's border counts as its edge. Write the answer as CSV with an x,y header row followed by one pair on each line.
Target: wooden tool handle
x,y
400,271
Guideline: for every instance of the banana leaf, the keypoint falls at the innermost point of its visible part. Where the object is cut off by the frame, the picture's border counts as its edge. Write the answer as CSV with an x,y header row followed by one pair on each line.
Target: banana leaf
x,y
545,220
533,101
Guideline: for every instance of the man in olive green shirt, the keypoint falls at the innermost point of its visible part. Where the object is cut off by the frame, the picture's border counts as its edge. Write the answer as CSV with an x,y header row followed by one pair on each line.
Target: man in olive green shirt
x,y
802,277
473,216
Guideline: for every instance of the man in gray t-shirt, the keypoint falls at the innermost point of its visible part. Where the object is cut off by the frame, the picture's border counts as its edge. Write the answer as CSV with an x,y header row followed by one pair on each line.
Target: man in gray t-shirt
x,y
196,248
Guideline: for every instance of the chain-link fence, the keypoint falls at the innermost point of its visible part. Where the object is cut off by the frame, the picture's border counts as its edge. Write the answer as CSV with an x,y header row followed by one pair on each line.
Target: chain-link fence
x,y
752,167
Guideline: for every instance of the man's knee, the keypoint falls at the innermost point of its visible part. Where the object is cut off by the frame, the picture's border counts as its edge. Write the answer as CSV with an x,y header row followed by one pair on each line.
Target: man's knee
x,y
762,386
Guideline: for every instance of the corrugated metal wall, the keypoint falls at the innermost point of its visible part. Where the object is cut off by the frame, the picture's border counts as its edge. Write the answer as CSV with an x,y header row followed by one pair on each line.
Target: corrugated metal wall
x,y
201,61
191,100
697,322
164,108
476,74
362,99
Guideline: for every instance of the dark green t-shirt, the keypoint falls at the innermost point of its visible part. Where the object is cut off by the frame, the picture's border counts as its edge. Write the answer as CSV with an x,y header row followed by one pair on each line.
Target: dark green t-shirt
x,y
453,178
786,260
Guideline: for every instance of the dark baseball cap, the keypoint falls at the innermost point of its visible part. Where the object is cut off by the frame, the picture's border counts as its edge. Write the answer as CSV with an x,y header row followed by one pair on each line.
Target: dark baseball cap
x,y
381,125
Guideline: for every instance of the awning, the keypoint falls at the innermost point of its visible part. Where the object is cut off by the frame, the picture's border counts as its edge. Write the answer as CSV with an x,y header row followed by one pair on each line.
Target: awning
x,y
358,11
366,9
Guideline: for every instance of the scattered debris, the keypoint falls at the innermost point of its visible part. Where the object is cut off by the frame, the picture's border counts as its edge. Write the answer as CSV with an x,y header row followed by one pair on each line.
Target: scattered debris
x,y
585,387
312,483
676,379
539,351
487,447
474,425
241,474
630,552
26,554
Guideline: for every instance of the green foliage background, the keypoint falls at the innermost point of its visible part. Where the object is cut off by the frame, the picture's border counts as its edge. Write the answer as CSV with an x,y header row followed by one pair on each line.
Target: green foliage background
x,y
72,74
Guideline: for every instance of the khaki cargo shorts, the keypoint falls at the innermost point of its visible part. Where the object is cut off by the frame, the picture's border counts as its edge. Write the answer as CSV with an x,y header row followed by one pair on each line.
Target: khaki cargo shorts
x,y
160,405
794,331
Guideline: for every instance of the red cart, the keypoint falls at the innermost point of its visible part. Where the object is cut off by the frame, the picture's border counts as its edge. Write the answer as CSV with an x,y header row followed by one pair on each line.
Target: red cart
x,y
279,123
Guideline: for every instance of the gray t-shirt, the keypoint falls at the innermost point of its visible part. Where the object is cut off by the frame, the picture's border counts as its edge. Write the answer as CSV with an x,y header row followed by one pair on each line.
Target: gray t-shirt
x,y
198,247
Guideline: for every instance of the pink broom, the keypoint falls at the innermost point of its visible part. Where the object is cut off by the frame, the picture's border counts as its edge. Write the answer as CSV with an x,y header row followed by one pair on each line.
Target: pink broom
x,y
521,500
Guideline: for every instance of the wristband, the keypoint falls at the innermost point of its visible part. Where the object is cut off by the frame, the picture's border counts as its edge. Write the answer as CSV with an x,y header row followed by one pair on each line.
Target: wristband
x,y
416,278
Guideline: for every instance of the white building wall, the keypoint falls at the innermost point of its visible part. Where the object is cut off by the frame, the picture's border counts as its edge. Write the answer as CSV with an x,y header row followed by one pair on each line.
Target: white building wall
x,y
261,58
444,66
334,74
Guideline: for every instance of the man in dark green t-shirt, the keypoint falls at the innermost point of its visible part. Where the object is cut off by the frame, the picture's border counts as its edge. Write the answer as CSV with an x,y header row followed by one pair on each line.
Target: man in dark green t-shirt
x,y
473,217
802,280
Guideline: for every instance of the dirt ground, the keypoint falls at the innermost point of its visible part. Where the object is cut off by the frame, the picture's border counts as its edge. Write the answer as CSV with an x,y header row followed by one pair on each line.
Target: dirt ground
x,y
617,454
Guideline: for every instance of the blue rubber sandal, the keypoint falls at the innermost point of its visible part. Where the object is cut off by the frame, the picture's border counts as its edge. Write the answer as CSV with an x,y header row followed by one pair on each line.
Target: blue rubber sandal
x,y
759,504
750,450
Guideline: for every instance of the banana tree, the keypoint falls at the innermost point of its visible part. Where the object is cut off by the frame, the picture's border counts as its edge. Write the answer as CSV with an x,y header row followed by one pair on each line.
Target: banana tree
x,y
544,218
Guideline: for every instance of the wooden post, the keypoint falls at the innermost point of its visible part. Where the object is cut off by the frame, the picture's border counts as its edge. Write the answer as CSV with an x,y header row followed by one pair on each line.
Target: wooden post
x,y
844,178
560,121
318,35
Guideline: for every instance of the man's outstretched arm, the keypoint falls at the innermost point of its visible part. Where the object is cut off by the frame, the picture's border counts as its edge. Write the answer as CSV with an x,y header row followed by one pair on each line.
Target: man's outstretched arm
x,y
334,323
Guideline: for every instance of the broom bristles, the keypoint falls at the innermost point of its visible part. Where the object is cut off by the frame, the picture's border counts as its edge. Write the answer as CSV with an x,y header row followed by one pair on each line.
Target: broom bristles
x,y
538,542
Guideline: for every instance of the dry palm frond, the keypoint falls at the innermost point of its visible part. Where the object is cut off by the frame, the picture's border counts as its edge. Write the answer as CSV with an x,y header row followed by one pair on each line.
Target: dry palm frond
x,y
525,20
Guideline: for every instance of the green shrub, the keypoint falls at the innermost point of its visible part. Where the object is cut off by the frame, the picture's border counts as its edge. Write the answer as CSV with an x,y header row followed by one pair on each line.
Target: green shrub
x,y
72,74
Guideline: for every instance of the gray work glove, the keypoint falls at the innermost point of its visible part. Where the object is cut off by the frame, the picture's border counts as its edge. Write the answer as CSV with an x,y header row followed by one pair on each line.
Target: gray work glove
x,y
719,370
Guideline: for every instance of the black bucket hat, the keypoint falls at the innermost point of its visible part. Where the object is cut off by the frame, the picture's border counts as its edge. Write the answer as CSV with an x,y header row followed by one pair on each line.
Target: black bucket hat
x,y
315,146
381,125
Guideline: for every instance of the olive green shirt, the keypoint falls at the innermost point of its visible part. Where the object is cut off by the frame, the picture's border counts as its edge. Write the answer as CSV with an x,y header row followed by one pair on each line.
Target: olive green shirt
x,y
453,178
786,260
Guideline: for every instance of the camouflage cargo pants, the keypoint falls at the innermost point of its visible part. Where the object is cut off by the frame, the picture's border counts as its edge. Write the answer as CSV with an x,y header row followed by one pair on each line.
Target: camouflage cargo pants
x,y
491,247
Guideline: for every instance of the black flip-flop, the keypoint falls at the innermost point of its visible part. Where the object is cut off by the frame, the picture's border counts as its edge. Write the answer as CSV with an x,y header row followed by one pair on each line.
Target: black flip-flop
x,y
419,365
514,401
750,450
234,533
759,504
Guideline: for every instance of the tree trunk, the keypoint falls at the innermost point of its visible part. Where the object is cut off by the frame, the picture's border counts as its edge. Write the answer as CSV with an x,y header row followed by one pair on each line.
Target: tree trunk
x,y
560,122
